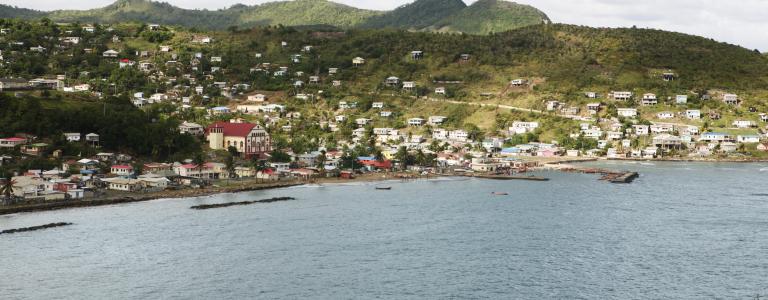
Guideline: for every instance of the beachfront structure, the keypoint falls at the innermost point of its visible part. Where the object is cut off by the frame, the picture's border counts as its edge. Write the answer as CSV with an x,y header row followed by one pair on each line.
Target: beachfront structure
x,y
250,140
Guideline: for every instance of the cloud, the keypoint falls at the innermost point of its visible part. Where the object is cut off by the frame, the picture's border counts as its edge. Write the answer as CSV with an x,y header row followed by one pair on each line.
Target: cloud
x,y
739,23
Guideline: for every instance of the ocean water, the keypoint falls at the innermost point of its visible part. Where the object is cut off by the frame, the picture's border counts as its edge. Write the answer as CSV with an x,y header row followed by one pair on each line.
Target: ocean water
x,y
681,231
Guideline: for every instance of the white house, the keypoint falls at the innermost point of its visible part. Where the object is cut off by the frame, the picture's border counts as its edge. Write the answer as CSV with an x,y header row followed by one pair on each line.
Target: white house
x,y
693,114
748,139
649,99
440,91
681,99
641,130
519,127
744,124
437,120
110,53
377,105
627,112
622,96
72,136
731,99
409,85
665,115
257,98
415,121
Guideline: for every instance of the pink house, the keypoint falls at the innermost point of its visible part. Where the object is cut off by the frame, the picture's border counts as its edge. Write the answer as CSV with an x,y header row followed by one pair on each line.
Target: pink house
x,y
12,142
546,153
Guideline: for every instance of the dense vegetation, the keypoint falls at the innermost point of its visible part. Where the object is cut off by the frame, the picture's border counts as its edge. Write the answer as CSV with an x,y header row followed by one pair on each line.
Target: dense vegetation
x,y
422,14
487,16
417,15
121,126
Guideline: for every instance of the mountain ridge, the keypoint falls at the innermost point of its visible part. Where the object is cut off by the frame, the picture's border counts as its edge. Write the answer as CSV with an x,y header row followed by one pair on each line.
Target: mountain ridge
x,y
443,15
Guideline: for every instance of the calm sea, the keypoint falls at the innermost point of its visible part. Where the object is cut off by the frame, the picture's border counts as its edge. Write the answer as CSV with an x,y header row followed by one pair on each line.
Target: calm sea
x,y
681,231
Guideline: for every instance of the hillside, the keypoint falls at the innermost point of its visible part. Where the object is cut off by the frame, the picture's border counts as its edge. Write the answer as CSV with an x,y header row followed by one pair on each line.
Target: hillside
x,y
417,15
487,16
445,15
7,11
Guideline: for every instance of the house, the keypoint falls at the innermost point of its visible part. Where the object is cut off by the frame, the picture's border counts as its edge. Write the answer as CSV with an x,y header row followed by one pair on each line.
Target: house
x,y
204,171
191,128
409,85
649,99
519,127
92,139
371,163
437,120
257,98
731,99
201,39
417,55
665,115
72,136
570,111
12,142
464,57
385,114
518,82
358,61
662,128
333,71
415,121
250,140
763,117
362,121
440,91
392,81
110,53
314,79
377,105
681,99
641,130
614,135
668,76
693,114
594,108
622,96
553,105
458,135
713,115
728,147
34,149
748,139
13,84
744,124
667,141
591,95
627,112
716,137
762,147
121,170
340,118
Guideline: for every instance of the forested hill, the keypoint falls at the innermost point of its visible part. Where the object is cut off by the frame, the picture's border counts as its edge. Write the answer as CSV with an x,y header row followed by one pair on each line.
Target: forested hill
x,y
444,15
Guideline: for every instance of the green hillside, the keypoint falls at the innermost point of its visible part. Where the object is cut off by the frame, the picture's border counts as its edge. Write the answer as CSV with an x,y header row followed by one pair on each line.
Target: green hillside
x,y
417,15
446,15
486,16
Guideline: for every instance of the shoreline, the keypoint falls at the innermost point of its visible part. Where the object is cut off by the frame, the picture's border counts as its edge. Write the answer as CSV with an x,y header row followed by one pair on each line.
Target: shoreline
x,y
246,186
559,166
186,193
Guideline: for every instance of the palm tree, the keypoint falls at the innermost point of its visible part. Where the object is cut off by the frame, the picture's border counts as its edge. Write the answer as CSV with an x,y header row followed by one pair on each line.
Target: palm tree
x,y
7,189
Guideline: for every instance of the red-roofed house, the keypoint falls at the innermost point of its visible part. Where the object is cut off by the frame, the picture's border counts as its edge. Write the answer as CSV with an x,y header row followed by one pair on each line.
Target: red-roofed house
x,y
121,170
249,139
12,142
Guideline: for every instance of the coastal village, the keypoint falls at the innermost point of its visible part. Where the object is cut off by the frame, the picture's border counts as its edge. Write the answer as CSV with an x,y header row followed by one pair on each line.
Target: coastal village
x,y
320,123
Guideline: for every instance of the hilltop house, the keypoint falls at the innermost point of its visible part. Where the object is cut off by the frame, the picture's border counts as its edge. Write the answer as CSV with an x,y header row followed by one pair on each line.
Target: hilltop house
x,y
250,140
392,81
693,114
744,124
681,99
110,53
358,61
519,127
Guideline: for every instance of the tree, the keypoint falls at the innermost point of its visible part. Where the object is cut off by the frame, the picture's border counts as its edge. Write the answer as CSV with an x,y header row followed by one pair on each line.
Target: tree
x,y
7,189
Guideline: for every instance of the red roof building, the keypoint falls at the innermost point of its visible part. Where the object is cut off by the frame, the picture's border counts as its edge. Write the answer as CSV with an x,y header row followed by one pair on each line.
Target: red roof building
x,y
249,139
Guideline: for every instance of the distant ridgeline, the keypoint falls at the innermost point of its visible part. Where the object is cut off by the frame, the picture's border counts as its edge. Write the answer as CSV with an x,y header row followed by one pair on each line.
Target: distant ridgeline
x,y
482,17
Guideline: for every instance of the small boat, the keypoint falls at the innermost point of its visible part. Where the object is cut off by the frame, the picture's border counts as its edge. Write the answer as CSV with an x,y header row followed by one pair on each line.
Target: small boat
x,y
500,194
384,188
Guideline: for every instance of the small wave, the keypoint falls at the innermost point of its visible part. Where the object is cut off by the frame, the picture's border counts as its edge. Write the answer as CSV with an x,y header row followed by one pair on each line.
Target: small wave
x,y
647,164
759,194
763,170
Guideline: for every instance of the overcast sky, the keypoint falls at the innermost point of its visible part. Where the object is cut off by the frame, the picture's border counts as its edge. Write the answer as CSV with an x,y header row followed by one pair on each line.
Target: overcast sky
x,y
740,22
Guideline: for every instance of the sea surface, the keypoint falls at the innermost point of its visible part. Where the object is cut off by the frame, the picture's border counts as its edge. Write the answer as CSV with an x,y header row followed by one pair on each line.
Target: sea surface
x,y
680,231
